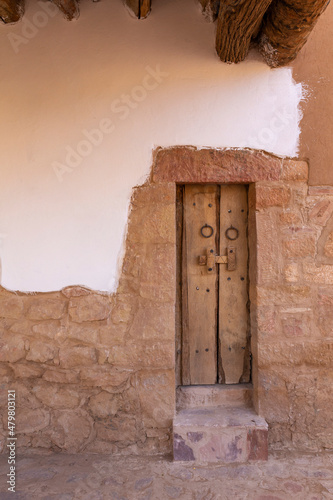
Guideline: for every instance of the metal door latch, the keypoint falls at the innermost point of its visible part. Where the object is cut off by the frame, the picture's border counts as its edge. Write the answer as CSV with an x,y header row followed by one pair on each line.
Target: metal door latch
x,y
210,260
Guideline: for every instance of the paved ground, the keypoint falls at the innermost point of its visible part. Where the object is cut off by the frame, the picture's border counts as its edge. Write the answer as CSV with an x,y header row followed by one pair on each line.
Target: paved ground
x,y
94,477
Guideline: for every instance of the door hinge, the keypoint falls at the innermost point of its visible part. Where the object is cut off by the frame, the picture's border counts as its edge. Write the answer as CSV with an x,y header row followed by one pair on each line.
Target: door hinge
x,y
210,260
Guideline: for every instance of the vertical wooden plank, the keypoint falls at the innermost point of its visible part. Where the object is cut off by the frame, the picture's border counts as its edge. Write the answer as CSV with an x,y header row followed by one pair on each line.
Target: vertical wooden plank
x,y
179,238
199,287
233,285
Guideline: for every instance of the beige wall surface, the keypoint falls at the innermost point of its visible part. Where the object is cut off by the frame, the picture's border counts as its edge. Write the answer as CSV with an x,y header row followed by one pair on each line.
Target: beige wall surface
x,y
314,67
81,114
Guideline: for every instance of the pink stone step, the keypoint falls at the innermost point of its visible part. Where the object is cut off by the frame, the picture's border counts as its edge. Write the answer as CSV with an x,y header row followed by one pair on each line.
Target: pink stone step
x,y
220,434
203,396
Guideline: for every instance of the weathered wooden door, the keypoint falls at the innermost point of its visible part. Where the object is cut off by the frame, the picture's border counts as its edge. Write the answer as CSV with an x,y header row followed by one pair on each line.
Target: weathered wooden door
x,y
215,317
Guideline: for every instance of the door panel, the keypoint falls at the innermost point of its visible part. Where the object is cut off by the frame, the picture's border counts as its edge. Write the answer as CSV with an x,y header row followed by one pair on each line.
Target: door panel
x,y
233,285
215,285
199,288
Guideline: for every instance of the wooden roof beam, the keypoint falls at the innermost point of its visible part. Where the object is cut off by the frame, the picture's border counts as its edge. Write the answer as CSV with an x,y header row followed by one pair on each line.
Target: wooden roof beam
x,y
11,11
210,8
140,8
70,8
286,27
238,22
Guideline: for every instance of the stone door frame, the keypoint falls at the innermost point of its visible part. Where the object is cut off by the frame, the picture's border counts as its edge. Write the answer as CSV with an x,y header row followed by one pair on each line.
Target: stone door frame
x,y
265,174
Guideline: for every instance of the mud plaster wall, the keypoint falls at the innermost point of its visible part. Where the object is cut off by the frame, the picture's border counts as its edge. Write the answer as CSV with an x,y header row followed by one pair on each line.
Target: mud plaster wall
x,y
81,112
314,68
95,372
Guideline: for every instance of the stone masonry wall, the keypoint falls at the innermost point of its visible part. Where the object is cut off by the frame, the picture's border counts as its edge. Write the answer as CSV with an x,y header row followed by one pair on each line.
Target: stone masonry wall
x,y
96,372
294,300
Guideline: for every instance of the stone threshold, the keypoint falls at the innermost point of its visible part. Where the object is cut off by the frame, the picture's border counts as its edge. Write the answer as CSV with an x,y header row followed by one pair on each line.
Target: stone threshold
x,y
203,396
218,424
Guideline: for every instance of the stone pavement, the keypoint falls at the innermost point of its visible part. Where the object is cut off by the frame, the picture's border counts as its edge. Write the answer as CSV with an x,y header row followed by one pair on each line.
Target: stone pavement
x,y
102,477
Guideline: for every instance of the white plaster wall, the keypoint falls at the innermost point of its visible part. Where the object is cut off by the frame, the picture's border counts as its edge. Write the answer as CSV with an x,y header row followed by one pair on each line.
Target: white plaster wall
x,y
62,224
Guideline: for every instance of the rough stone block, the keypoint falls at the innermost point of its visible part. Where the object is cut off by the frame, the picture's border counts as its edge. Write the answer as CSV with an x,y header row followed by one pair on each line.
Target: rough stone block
x,y
320,211
272,196
291,273
56,397
158,272
318,274
268,252
87,333
6,375
274,399
291,217
113,334
135,356
77,356
44,308
296,327
30,421
320,190
325,320
41,353
328,247
61,376
311,353
104,404
185,164
299,194
75,291
120,429
325,296
71,430
110,379
280,436
25,395
122,311
267,322
154,194
11,306
27,370
152,226
284,295
89,308
21,327
12,348
300,246
294,170
49,329
156,391
154,323
203,396
224,435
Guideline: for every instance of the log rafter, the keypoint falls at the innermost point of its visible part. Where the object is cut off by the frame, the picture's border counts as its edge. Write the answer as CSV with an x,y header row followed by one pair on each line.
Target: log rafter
x,y
70,8
11,11
210,8
140,8
286,28
238,22
280,26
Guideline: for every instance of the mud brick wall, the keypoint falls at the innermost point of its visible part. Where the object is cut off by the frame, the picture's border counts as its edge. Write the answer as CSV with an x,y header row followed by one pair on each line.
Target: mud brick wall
x,y
96,372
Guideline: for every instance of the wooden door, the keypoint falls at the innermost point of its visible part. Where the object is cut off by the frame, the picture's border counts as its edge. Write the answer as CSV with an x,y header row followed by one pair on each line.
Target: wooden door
x,y
215,324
